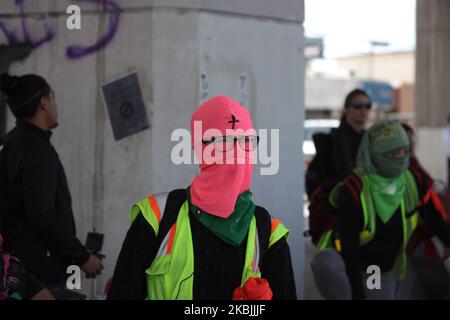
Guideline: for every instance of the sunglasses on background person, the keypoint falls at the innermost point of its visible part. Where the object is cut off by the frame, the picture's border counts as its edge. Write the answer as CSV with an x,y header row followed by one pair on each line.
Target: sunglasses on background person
x,y
359,106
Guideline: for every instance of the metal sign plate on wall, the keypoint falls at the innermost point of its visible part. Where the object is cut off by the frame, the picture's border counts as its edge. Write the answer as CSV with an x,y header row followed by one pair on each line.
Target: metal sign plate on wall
x,y
125,106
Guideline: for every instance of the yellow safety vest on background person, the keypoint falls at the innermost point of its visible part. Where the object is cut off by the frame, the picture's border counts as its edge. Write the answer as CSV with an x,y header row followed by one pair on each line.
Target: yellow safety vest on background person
x,y
171,274
409,206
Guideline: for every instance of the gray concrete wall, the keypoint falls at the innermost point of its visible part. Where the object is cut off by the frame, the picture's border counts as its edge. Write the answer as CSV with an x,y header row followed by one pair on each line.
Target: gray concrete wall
x,y
290,10
431,152
169,49
432,94
432,63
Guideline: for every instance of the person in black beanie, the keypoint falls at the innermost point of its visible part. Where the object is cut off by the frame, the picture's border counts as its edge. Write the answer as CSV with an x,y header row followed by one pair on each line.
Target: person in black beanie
x,y
36,215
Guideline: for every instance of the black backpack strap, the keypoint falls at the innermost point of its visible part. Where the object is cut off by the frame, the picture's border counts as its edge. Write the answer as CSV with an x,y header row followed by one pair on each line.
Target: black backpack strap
x,y
175,200
424,185
354,184
263,225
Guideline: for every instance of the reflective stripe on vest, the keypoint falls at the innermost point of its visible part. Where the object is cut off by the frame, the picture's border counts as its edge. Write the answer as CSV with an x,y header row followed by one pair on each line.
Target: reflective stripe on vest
x,y
278,231
251,264
161,199
325,241
170,275
152,209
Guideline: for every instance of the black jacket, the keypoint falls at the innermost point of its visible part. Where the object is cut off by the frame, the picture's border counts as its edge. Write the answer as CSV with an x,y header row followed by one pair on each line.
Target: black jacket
x,y
36,219
335,157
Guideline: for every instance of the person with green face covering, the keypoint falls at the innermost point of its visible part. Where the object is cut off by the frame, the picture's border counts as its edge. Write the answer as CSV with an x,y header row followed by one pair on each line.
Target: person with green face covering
x,y
377,210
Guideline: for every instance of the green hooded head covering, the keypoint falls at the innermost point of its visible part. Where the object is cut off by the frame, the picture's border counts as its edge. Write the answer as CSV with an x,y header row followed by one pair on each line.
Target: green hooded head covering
x,y
385,174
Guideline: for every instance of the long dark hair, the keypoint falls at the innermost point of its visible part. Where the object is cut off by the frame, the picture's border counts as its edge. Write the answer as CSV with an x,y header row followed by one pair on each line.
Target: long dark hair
x,y
24,93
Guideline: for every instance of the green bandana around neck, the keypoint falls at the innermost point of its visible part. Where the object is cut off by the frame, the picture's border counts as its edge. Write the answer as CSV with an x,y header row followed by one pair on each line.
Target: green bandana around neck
x,y
387,194
233,229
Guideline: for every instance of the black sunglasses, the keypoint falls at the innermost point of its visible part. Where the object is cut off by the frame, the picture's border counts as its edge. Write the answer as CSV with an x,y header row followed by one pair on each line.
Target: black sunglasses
x,y
359,106
226,143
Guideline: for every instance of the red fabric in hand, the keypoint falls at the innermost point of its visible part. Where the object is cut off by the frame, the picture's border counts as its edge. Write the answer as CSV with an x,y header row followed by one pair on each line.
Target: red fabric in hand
x,y
254,289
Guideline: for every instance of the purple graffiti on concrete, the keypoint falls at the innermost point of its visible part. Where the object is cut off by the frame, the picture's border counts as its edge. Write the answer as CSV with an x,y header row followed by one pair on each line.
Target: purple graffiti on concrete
x,y
73,51
76,52
10,36
49,34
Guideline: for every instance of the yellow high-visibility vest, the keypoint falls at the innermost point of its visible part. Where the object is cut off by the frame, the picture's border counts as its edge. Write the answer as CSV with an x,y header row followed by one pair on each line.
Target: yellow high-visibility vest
x,y
171,274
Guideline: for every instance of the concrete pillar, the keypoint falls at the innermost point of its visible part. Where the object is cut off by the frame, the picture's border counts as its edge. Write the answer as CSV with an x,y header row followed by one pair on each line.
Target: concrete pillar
x,y
432,96
432,63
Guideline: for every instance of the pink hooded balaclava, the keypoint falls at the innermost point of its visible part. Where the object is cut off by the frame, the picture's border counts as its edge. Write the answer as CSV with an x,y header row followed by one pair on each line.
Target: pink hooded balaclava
x,y
219,183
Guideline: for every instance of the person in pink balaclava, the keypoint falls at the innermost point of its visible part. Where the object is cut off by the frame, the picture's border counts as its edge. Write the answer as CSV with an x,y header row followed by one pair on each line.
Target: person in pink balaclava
x,y
208,241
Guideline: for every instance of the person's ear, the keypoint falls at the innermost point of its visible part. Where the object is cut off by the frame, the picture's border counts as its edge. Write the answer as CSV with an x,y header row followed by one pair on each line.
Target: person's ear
x,y
43,103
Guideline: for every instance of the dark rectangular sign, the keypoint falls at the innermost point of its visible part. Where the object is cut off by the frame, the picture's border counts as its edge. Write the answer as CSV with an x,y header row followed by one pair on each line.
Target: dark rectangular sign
x,y
125,106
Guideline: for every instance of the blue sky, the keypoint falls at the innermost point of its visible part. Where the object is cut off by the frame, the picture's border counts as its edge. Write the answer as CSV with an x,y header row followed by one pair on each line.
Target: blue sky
x,y
348,26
